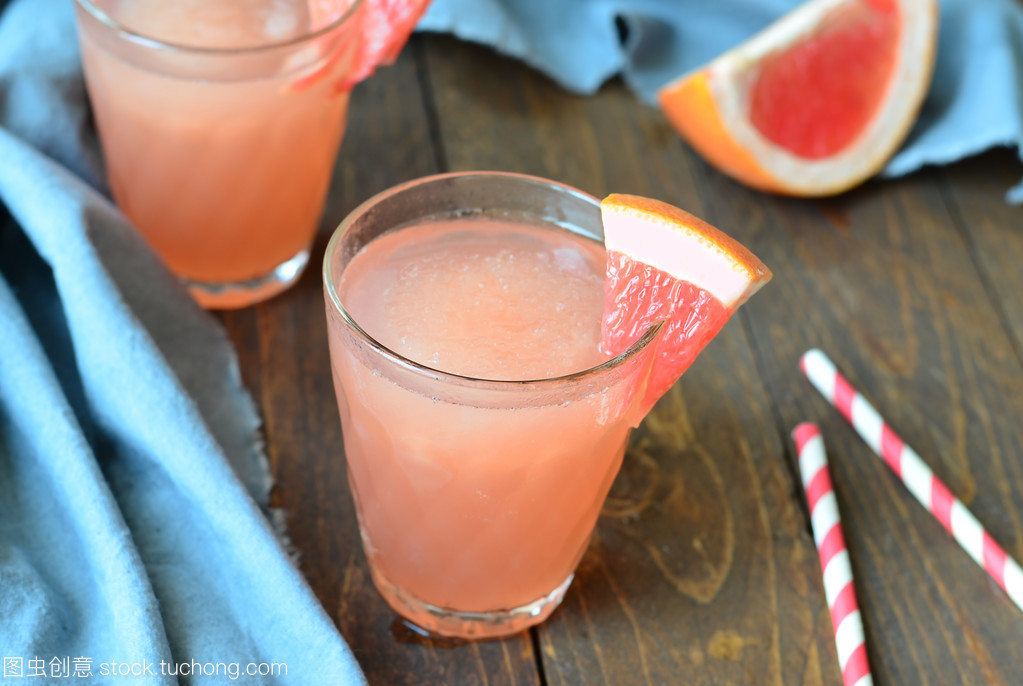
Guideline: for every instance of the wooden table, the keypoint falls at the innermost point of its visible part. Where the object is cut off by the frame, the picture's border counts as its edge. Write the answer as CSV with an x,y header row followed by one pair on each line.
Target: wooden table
x,y
702,569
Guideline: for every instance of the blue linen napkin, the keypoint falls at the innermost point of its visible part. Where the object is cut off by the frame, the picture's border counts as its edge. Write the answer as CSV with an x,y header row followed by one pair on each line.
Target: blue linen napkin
x,y
975,101
131,470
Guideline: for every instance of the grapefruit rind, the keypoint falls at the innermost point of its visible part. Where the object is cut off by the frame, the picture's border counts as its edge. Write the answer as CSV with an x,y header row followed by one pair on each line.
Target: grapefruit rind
x,y
721,134
683,246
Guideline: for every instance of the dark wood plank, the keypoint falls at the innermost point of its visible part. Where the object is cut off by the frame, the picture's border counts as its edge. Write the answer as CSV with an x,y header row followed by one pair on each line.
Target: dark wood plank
x,y
284,358
975,190
883,281
701,571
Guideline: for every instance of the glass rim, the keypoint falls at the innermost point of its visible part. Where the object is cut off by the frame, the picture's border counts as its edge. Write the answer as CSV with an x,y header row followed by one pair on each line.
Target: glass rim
x,y
640,345
149,42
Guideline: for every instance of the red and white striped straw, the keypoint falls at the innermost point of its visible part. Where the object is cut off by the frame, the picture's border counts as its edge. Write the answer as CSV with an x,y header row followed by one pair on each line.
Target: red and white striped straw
x,y
827,534
915,474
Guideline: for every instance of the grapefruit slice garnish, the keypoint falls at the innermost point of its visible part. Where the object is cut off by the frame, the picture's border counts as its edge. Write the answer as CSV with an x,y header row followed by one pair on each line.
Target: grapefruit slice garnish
x,y
384,27
817,102
664,264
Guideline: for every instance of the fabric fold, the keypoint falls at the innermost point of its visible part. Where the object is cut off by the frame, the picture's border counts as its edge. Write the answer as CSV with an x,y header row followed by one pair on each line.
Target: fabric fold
x,y
72,582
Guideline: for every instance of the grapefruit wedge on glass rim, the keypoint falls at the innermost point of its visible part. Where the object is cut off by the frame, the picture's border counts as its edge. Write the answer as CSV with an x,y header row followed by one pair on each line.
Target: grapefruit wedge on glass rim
x,y
817,102
383,28
664,264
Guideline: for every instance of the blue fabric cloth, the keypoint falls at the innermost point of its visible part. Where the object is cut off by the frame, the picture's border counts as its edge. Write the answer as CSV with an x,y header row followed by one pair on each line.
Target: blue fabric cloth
x,y
131,471
975,101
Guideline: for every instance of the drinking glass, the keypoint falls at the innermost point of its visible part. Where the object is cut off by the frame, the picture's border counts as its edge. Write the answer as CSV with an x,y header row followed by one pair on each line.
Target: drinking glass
x,y
219,146
475,498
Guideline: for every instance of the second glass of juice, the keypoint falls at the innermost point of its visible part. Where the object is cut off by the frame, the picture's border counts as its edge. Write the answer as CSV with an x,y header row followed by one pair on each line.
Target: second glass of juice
x,y
220,121
482,424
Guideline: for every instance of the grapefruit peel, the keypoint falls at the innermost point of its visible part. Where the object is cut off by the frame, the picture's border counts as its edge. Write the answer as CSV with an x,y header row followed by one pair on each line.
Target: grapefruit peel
x,y
710,106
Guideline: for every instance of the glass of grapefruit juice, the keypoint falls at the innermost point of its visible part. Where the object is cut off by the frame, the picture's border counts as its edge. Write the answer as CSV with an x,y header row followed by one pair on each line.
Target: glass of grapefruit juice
x,y
220,121
482,424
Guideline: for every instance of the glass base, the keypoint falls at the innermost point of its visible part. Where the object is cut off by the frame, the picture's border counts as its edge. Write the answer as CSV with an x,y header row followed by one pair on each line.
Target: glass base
x,y
470,625
233,295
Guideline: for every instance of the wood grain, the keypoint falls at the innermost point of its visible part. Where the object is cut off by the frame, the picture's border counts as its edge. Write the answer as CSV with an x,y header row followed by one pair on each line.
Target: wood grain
x,y
883,281
975,192
701,571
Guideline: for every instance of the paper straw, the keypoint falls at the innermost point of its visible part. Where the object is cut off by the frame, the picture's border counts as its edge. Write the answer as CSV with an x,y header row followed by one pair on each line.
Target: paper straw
x,y
838,578
915,474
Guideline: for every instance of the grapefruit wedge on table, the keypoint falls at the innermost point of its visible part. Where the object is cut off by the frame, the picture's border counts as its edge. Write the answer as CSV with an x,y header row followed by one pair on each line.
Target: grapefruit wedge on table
x,y
664,264
817,102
